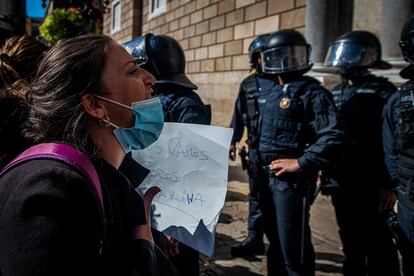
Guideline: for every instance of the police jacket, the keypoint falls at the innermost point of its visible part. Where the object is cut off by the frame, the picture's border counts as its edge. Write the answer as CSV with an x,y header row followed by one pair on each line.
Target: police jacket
x,y
361,106
247,108
50,224
398,139
183,105
300,120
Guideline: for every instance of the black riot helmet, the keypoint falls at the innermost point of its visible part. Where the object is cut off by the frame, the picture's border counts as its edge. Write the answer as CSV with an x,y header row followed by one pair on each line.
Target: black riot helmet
x,y
407,40
286,51
162,56
254,50
356,49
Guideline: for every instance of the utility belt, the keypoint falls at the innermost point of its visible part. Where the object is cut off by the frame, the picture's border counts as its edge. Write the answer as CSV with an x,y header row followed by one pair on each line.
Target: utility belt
x,y
270,156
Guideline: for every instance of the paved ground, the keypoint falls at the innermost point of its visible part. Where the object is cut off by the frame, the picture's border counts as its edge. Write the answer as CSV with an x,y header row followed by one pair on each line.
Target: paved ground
x,y
232,228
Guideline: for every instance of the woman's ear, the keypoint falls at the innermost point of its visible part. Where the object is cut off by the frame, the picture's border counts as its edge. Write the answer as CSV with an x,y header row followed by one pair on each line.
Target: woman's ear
x,y
93,107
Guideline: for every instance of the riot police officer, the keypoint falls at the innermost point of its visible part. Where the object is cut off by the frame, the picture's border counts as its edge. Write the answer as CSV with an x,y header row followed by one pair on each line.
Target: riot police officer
x,y
300,133
365,189
247,114
398,140
163,57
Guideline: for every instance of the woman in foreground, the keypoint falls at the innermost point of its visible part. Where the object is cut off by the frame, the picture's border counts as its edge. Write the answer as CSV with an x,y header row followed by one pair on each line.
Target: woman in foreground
x,y
86,94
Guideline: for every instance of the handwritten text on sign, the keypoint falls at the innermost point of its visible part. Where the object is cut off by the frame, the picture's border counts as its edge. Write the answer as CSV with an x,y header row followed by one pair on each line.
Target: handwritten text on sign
x,y
190,164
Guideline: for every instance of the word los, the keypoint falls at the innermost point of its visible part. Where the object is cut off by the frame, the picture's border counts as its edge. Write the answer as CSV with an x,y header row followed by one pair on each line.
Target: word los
x,y
170,176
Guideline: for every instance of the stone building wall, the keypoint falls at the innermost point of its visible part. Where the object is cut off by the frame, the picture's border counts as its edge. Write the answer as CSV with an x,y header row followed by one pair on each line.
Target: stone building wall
x,y
131,21
215,36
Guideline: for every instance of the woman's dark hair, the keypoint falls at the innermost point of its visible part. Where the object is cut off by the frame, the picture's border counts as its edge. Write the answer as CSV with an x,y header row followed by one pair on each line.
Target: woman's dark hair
x,y
69,70
13,113
19,58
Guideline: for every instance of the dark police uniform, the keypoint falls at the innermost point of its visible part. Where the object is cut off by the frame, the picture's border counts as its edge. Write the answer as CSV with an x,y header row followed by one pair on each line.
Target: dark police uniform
x,y
367,241
398,139
300,121
248,107
183,105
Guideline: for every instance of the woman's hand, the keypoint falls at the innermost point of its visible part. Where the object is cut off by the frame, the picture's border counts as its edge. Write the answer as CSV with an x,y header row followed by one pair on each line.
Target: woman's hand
x,y
144,231
387,200
169,246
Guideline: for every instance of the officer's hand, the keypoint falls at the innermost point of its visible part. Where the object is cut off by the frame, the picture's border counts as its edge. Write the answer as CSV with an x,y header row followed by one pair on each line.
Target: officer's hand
x,y
387,199
169,245
282,166
232,152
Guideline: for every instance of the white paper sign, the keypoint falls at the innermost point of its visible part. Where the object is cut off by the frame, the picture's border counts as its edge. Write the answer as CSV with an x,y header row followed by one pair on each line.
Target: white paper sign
x,y
189,163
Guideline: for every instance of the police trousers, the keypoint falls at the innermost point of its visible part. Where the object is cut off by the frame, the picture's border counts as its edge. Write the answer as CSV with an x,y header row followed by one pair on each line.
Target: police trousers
x,y
255,221
406,242
366,238
286,218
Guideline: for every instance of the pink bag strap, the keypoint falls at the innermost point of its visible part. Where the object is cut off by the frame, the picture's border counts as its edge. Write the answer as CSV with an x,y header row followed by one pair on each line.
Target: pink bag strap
x,y
67,154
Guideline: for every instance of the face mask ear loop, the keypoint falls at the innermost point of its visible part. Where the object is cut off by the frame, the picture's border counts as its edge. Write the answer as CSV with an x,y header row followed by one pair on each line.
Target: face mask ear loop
x,y
114,102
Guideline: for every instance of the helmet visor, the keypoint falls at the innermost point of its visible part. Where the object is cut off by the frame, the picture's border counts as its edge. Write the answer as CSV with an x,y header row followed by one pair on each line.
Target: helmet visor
x,y
350,54
283,59
136,48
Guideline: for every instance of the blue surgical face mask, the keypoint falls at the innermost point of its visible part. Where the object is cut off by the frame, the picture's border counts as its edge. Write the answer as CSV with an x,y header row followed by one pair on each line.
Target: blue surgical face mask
x,y
148,124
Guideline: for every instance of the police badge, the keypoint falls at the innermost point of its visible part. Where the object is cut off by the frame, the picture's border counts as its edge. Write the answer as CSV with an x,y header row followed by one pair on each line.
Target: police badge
x,y
285,103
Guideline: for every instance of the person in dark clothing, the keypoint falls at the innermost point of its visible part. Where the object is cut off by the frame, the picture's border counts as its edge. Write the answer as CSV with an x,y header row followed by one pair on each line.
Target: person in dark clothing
x,y
365,193
398,142
88,94
19,58
247,114
163,57
300,133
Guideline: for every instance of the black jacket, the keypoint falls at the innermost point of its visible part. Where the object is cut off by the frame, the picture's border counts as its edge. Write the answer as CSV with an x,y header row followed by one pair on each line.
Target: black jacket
x,y
262,85
362,107
50,224
183,105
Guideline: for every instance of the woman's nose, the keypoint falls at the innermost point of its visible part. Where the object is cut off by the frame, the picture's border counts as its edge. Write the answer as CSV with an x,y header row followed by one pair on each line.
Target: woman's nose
x,y
149,79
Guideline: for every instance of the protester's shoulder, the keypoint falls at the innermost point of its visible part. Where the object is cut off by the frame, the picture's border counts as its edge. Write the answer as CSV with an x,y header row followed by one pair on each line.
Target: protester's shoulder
x,y
43,174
